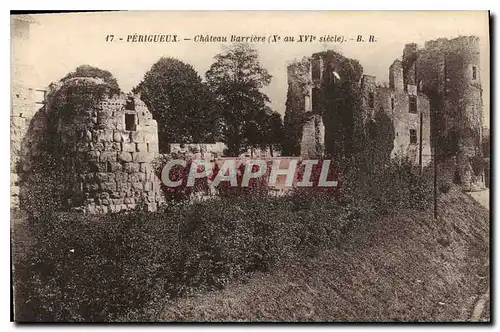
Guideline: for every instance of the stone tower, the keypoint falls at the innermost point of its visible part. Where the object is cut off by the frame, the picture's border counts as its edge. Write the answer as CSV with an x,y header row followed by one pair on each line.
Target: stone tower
x,y
449,73
103,147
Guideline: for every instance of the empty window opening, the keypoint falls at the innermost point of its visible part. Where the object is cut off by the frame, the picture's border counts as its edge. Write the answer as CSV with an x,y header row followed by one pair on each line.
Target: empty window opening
x,y
130,122
316,69
316,99
392,103
413,104
474,73
413,136
371,100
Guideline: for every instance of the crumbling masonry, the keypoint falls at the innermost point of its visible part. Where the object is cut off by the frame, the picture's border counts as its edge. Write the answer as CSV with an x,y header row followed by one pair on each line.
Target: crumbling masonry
x,y
434,99
103,150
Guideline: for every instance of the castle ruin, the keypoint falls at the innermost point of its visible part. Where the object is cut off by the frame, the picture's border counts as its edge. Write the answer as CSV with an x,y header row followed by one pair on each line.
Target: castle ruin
x,y
434,100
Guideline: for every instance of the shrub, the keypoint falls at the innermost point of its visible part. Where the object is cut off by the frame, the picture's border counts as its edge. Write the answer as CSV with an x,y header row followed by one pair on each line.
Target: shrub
x,y
121,267
105,268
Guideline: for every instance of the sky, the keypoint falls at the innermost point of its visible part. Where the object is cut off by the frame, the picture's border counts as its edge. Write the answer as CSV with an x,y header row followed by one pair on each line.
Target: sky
x,y
61,42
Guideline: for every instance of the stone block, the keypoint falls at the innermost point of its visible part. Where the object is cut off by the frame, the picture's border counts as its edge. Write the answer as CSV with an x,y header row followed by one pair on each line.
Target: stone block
x,y
121,176
131,167
115,166
112,146
104,135
123,188
142,147
153,147
150,136
137,136
102,177
138,185
125,157
143,157
93,155
108,186
128,147
131,206
129,200
137,177
99,146
117,136
107,156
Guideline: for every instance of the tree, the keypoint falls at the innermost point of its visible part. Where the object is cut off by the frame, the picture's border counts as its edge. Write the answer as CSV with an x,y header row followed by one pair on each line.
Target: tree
x,y
236,79
273,131
264,130
180,102
94,72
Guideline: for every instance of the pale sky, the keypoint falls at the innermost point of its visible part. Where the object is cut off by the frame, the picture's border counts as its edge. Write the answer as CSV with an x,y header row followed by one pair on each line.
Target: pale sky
x,y
61,42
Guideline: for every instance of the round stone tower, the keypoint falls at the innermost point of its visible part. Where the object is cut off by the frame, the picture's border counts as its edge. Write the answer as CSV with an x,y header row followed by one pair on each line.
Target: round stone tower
x,y
449,72
104,145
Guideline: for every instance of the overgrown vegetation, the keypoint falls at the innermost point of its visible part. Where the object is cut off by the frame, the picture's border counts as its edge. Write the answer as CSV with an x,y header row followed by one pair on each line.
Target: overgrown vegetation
x,y
123,266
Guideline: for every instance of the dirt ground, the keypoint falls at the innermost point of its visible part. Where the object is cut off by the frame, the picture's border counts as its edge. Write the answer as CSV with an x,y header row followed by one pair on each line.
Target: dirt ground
x,y
406,267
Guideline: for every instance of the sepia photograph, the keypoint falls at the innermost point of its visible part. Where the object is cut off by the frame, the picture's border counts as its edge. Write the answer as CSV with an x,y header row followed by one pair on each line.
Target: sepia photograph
x,y
250,166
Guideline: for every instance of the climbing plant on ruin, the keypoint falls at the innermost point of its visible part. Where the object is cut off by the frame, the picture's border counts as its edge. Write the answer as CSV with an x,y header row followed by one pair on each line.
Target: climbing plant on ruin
x,y
94,72
294,105
344,135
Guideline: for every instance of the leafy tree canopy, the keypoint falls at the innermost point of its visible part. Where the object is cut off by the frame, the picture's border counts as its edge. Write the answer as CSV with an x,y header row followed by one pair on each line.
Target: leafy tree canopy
x,y
236,79
180,102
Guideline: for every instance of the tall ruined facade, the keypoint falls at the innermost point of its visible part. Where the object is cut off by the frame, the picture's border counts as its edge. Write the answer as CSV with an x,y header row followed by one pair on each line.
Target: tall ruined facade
x,y
448,72
323,106
349,114
27,94
407,110
433,102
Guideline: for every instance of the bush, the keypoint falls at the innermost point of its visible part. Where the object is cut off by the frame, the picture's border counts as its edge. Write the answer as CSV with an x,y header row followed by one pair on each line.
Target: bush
x,y
105,268
122,267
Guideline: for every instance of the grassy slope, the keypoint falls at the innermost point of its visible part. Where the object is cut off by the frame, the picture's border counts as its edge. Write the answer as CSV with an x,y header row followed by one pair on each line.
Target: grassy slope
x,y
407,267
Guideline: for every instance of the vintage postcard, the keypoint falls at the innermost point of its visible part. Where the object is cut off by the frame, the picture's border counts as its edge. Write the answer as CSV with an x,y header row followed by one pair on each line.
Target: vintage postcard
x,y
250,166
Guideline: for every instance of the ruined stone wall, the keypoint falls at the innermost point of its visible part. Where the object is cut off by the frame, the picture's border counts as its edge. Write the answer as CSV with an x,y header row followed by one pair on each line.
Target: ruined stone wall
x,y
313,137
26,96
113,162
395,102
102,150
